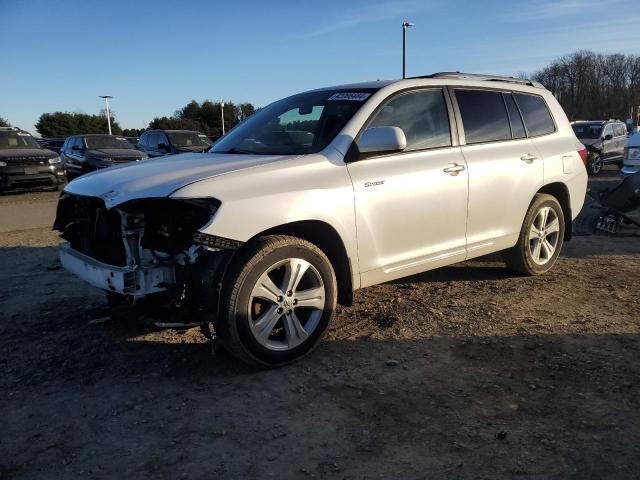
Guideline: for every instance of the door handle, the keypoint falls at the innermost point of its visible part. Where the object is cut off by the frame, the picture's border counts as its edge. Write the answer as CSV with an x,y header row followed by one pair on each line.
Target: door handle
x,y
528,158
454,169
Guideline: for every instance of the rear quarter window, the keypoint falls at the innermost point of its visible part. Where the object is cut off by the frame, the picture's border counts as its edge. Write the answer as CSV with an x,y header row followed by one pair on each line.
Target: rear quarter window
x,y
536,115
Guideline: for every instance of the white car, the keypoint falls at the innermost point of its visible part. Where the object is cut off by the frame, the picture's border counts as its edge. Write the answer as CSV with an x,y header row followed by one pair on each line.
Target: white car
x,y
326,192
631,159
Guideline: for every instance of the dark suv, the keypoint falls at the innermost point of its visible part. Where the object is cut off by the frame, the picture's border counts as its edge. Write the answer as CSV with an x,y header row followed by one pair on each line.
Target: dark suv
x,y
605,141
157,143
25,164
85,153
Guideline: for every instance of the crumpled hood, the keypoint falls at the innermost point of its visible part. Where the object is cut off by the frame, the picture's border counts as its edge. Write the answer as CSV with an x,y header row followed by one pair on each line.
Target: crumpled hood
x,y
20,153
114,153
161,177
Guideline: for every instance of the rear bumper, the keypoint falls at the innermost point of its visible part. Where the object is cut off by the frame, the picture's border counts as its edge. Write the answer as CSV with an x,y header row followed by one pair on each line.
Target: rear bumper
x,y
138,281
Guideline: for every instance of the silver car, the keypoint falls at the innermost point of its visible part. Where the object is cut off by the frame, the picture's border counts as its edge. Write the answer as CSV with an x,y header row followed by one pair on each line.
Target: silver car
x,y
323,193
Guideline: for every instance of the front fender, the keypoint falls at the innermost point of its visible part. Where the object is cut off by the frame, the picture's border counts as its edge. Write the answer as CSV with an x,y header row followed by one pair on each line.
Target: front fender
x,y
313,187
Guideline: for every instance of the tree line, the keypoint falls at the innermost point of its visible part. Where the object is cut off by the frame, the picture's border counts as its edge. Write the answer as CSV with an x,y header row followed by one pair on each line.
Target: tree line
x,y
592,86
204,117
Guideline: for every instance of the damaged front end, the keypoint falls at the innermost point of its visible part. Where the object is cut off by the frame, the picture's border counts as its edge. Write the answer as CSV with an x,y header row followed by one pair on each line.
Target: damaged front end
x,y
145,249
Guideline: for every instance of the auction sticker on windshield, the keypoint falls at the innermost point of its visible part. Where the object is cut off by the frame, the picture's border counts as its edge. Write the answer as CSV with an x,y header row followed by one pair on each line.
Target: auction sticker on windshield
x,y
354,96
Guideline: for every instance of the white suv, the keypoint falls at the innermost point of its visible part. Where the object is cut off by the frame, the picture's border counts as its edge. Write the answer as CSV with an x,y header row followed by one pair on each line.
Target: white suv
x,y
325,192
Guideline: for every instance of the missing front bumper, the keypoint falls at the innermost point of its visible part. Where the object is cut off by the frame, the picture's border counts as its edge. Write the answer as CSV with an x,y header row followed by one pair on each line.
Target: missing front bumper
x,y
136,281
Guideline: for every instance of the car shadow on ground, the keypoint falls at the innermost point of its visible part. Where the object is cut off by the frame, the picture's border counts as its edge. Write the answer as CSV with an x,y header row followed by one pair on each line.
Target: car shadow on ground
x,y
554,406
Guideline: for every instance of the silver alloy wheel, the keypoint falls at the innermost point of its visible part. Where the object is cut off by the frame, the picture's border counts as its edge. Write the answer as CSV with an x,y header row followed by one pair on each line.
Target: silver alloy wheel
x,y
596,164
286,304
544,235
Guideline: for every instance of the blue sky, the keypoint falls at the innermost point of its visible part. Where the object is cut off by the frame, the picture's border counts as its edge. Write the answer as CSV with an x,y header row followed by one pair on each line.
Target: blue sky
x,y
155,56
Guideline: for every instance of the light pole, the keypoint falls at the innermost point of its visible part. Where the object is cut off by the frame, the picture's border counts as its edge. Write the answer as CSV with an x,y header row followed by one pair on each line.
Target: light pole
x,y
405,25
222,115
106,102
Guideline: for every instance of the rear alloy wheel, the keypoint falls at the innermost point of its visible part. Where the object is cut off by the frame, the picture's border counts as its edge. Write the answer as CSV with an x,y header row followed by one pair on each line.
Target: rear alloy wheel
x,y
278,299
595,164
541,237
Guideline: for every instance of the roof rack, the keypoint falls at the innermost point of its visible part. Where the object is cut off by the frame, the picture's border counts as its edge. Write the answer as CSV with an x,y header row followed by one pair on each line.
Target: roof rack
x,y
12,129
482,77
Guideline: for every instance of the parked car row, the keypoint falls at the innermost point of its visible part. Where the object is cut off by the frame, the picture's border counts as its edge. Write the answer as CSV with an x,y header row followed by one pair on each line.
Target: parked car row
x,y
26,162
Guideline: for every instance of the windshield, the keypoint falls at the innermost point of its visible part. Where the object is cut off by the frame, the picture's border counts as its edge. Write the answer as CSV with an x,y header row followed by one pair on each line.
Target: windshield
x,y
189,139
14,139
94,143
587,130
301,124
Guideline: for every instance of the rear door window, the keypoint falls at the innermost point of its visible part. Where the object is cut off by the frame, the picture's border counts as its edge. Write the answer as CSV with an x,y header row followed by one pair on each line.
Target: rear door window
x,y
517,127
422,116
484,116
537,117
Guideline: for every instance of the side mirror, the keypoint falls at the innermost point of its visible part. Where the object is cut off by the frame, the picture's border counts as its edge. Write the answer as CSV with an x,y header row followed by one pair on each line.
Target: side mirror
x,y
163,146
608,136
382,139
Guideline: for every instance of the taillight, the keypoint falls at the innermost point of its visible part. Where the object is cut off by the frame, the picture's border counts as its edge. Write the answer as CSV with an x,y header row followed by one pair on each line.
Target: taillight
x,y
583,155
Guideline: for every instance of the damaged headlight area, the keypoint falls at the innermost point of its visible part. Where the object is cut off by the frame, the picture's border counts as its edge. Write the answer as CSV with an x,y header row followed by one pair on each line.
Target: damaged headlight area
x,y
140,247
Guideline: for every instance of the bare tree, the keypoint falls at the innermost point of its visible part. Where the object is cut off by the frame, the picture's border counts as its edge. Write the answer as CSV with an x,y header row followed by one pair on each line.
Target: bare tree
x,y
594,86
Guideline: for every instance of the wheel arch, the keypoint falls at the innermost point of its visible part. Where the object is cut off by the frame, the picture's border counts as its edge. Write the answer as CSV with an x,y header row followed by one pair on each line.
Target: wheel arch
x,y
560,192
327,239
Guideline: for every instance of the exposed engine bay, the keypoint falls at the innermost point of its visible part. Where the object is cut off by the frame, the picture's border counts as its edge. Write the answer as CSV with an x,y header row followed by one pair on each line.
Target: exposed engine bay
x,y
145,249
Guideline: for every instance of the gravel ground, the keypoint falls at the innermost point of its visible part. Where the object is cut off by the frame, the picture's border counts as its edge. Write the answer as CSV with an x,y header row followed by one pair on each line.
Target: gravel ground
x,y
466,372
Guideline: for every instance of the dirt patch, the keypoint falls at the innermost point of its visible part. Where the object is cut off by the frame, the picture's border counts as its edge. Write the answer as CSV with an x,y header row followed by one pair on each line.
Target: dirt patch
x,y
465,372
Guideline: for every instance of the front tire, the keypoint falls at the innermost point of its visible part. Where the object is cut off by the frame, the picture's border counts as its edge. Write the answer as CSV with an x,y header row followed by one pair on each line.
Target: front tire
x,y
278,298
541,237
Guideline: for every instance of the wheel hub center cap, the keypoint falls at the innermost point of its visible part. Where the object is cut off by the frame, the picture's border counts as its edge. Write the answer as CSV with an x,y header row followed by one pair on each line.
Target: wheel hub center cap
x,y
288,302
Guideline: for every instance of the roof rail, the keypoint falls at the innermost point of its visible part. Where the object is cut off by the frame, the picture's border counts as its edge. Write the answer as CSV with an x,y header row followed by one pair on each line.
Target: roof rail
x,y
483,77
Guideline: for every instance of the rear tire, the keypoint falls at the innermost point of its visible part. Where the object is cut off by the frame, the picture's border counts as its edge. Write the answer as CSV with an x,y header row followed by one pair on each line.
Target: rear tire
x,y
278,298
541,237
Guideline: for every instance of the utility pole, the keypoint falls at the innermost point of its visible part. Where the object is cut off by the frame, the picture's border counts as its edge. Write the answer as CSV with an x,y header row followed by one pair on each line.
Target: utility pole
x,y
106,102
405,25
222,115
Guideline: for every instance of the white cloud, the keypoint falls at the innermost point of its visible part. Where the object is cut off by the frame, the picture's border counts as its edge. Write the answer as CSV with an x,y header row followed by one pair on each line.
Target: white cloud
x,y
551,9
371,13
